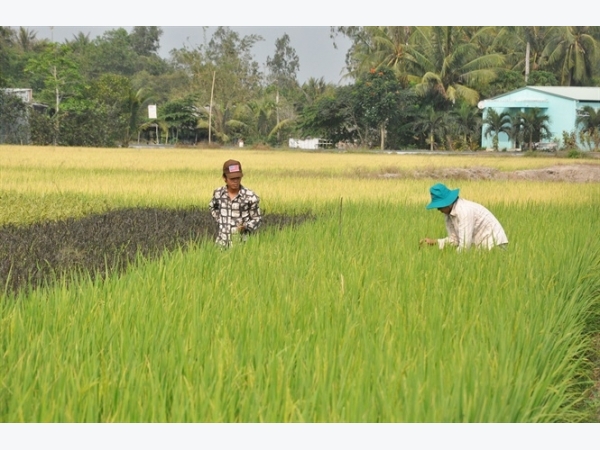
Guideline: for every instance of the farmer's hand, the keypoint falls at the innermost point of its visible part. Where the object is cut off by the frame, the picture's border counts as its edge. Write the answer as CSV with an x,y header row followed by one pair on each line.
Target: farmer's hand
x,y
427,241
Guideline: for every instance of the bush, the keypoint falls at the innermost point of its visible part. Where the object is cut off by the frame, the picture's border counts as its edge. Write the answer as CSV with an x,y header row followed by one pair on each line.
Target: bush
x,y
574,154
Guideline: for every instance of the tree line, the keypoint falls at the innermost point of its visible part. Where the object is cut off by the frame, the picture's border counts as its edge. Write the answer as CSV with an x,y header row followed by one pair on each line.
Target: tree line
x,y
407,87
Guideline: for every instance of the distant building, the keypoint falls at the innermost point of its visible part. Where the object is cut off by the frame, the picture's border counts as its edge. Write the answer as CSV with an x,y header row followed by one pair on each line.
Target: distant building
x,y
24,94
15,129
309,144
561,104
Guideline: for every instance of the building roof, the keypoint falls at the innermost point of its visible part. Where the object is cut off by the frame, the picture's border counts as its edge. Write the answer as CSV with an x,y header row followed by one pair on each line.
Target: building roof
x,y
572,92
579,94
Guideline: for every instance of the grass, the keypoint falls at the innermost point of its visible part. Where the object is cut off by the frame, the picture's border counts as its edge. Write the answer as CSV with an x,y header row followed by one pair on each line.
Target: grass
x,y
340,320
310,325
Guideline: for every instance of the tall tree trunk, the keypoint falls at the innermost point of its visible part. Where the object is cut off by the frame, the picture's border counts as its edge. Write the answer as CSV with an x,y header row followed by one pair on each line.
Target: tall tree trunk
x,y
212,91
527,51
277,113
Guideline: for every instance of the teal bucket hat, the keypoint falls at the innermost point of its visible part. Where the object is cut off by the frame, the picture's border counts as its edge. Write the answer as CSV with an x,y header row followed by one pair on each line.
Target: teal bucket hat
x,y
441,196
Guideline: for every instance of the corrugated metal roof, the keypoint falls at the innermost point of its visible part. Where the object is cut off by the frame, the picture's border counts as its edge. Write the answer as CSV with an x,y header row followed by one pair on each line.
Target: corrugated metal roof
x,y
576,93
572,92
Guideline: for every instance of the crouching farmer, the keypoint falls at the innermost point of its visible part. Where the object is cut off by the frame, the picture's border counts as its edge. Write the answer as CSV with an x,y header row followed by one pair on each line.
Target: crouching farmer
x,y
468,224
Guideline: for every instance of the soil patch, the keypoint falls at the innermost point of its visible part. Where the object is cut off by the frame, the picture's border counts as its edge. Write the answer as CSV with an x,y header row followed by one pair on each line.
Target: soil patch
x,y
571,173
42,253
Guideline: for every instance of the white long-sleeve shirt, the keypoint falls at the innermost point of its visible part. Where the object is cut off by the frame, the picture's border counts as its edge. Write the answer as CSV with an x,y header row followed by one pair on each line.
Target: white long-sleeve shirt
x,y
471,224
229,213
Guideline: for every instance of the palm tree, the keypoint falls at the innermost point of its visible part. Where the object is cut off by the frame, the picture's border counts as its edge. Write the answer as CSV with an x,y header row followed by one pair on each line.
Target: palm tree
x,y
26,39
496,123
467,121
535,126
452,61
432,123
384,46
515,133
523,47
574,53
314,88
134,103
588,119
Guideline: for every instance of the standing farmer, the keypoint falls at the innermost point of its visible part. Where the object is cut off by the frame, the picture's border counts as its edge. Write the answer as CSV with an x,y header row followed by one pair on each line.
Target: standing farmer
x,y
235,208
468,223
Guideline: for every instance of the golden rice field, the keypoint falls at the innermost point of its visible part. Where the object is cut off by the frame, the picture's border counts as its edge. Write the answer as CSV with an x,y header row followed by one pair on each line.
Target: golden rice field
x,y
182,177
342,319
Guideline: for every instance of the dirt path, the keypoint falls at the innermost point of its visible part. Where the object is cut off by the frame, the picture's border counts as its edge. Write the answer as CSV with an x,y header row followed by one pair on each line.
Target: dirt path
x,y
571,173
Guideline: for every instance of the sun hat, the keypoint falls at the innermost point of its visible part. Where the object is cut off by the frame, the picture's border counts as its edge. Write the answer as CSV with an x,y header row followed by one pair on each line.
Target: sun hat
x,y
232,167
441,196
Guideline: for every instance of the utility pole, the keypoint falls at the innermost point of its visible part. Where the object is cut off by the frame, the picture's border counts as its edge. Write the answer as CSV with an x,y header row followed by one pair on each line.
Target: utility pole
x,y
212,91
527,50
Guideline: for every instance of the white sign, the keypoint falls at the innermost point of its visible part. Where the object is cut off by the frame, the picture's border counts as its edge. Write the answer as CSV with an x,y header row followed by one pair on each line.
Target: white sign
x,y
152,111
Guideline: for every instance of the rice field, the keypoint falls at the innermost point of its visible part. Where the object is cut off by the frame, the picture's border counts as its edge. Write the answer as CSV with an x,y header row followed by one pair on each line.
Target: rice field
x,y
342,319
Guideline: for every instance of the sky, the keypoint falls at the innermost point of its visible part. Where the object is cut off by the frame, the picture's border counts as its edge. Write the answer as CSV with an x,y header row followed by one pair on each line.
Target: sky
x,y
307,23
315,48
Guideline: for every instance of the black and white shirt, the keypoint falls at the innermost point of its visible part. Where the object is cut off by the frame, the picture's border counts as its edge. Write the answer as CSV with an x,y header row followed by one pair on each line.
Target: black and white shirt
x,y
229,214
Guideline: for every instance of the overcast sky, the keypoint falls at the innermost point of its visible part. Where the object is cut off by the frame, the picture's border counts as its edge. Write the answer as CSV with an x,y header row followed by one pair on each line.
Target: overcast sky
x,y
313,44
307,23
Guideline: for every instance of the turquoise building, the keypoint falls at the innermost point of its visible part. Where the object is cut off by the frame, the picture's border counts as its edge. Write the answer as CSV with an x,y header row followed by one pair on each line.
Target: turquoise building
x,y
561,104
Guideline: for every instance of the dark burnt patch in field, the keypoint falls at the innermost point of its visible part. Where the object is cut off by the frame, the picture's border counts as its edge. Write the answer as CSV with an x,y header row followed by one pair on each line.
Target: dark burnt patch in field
x,y
39,254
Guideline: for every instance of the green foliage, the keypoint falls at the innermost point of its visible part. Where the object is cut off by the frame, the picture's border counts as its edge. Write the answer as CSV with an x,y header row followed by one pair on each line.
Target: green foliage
x,y
574,154
569,140
466,125
535,125
505,81
14,123
181,118
145,40
541,78
435,125
284,65
91,124
496,123
443,66
41,128
377,98
330,117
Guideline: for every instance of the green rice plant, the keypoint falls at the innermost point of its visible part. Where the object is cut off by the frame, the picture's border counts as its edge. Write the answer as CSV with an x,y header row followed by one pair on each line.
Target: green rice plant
x,y
343,319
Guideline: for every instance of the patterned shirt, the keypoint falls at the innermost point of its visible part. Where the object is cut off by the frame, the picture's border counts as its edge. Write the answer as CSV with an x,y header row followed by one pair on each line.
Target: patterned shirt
x,y
229,214
470,223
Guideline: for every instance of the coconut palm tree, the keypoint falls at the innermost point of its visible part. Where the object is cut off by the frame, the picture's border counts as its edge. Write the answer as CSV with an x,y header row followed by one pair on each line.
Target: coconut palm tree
x,y
385,46
535,126
515,133
26,39
573,51
467,121
588,119
434,124
134,103
523,47
496,123
452,61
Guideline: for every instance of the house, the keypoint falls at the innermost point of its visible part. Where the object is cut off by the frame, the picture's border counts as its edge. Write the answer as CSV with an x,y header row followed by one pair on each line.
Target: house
x,y
309,144
561,104
14,123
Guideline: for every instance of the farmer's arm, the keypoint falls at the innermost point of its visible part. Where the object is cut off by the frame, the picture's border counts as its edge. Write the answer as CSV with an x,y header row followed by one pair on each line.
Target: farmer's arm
x,y
214,207
254,214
